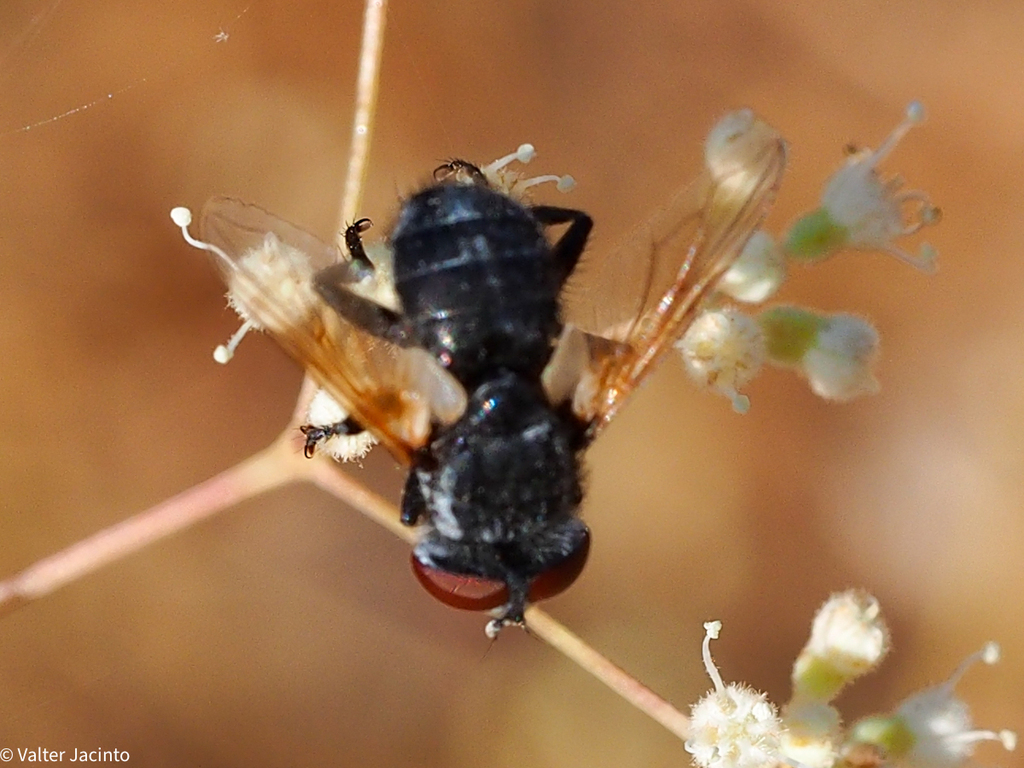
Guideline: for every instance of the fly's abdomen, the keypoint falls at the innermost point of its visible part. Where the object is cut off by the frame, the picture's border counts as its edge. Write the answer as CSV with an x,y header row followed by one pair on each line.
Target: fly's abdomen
x,y
473,271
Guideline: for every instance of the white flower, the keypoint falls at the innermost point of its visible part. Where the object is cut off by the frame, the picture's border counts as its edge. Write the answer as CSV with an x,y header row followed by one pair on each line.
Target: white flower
x,y
502,177
272,262
757,273
932,728
835,353
944,734
723,350
290,272
733,726
271,287
860,210
838,366
848,639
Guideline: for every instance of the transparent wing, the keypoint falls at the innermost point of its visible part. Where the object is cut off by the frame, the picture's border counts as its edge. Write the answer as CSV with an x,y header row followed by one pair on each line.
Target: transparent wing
x,y
670,265
236,227
269,267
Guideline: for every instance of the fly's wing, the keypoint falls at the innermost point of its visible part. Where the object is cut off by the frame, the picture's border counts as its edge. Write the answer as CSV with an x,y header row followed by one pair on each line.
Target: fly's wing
x,y
237,227
269,266
668,267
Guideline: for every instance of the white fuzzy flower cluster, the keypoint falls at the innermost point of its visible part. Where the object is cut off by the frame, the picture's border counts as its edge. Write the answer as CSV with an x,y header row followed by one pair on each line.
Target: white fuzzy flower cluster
x,y
736,727
733,726
848,639
725,349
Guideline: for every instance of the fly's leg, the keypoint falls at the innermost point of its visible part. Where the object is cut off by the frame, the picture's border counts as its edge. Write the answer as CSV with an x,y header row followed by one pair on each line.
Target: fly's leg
x,y
567,250
356,251
317,434
332,285
414,506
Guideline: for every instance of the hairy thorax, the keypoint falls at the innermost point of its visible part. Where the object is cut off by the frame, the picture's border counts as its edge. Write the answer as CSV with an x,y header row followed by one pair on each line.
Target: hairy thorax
x,y
505,488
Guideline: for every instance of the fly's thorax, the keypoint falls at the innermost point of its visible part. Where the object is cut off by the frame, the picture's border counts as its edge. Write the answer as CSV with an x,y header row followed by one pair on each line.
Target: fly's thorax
x,y
510,453
474,274
504,484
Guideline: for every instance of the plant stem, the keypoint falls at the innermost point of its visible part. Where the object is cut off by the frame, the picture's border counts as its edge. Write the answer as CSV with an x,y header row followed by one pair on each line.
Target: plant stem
x,y
362,122
628,687
328,476
262,471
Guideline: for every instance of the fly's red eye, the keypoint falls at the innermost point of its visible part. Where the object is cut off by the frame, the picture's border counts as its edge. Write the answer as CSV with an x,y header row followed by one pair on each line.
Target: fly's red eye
x,y
475,593
558,579
467,593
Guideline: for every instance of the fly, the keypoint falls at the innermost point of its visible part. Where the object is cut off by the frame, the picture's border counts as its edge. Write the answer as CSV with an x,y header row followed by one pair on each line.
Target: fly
x,y
470,361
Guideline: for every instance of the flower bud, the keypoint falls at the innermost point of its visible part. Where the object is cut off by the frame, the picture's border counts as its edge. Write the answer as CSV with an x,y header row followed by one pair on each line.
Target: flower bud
x,y
835,353
812,734
848,639
757,273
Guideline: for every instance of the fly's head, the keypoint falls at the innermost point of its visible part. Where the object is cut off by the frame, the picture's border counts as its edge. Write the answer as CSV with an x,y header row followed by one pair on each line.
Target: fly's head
x,y
501,578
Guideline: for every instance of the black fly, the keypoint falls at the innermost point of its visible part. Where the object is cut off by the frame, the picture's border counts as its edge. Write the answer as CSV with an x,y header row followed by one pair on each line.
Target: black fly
x,y
484,376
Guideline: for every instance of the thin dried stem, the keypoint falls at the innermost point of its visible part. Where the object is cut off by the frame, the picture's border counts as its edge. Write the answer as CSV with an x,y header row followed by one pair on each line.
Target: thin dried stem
x,y
280,464
306,393
366,102
367,85
628,687
270,468
367,82
327,476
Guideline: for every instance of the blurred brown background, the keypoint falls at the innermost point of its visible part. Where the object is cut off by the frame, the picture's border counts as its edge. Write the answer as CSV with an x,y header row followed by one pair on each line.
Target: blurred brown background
x,y
288,631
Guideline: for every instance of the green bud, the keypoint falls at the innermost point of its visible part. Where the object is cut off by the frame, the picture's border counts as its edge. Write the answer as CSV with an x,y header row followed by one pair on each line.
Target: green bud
x,y
888,732
789,332
817,678
815,236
